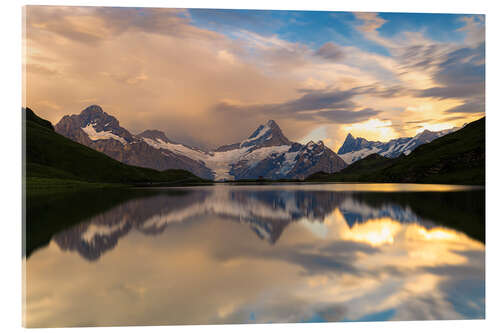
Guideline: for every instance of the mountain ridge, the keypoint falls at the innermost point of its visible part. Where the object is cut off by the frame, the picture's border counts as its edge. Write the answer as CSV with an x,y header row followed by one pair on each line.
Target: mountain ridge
x,y
51,156
98,130
354,149
455,158
267,152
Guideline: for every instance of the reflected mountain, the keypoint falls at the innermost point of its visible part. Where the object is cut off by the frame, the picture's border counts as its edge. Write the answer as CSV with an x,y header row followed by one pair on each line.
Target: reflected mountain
x,y
267,212
102,232
47,215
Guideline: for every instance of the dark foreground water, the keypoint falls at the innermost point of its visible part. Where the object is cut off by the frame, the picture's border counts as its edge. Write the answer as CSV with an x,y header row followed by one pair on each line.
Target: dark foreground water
x,y
255,254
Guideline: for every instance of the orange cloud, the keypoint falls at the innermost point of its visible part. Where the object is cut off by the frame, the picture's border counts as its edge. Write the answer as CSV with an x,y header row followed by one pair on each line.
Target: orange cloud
x,y
153,69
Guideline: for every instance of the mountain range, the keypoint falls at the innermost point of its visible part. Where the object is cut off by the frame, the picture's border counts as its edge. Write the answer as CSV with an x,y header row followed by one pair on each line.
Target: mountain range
x,y
455,158
265,153
53,160
355,149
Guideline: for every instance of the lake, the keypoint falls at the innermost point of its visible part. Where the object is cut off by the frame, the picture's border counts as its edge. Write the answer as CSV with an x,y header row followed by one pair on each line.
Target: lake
x,y
255,254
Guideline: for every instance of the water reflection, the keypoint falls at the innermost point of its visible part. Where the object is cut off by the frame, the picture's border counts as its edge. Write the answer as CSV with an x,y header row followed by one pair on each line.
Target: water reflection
x,y
311,255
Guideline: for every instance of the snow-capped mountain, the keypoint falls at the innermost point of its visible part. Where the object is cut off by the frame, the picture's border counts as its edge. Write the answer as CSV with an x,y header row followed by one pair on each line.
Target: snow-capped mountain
x,y
96,129
265,153
355,149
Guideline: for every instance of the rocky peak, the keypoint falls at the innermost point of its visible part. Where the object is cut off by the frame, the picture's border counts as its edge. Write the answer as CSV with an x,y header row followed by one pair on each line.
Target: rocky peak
x,y
352,144
428,136
98,118
92,110
266,135
423,133
91,119
348,145
155,134
314,147
272,124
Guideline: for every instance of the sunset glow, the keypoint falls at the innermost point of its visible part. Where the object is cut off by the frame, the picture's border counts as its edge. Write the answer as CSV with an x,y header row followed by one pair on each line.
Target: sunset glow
x,y
320,75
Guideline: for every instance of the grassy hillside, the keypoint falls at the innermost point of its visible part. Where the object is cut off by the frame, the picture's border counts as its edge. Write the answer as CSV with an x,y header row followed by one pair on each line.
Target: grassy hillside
x,y
55,161
456,158
31,116
361,170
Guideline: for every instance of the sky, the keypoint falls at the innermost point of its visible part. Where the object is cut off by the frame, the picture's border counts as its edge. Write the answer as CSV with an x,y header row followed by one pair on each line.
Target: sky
x,y
210,77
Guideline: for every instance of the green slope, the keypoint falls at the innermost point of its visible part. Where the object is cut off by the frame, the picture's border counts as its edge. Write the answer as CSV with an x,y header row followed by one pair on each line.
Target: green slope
x,y
55,161
358,171
31,116
456,158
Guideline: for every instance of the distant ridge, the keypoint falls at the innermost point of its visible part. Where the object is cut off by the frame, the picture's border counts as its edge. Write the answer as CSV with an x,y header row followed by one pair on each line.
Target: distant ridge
x,y
455,158
355,149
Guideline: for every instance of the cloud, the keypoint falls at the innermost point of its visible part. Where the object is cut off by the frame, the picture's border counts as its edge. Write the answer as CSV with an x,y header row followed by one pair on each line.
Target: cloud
x,y
447,68
474,28
370,21
170,69
126,77
95,24
320,100
379,90
271,53
314,108
332,106
458,90
466,64
41,69
418,121
231,20
147,80
461,75
347,117
473,106
315,100
421,56
330,51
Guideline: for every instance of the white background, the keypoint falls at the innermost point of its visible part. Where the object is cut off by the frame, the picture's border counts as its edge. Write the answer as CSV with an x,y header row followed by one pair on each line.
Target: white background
x,y
10,140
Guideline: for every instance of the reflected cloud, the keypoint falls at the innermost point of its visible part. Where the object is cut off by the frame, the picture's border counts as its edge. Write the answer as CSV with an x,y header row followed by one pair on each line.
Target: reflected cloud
x,y
376,232
319,255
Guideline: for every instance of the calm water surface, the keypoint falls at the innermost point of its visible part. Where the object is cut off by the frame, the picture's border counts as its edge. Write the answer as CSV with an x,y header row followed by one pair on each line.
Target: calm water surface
x,y
255,254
